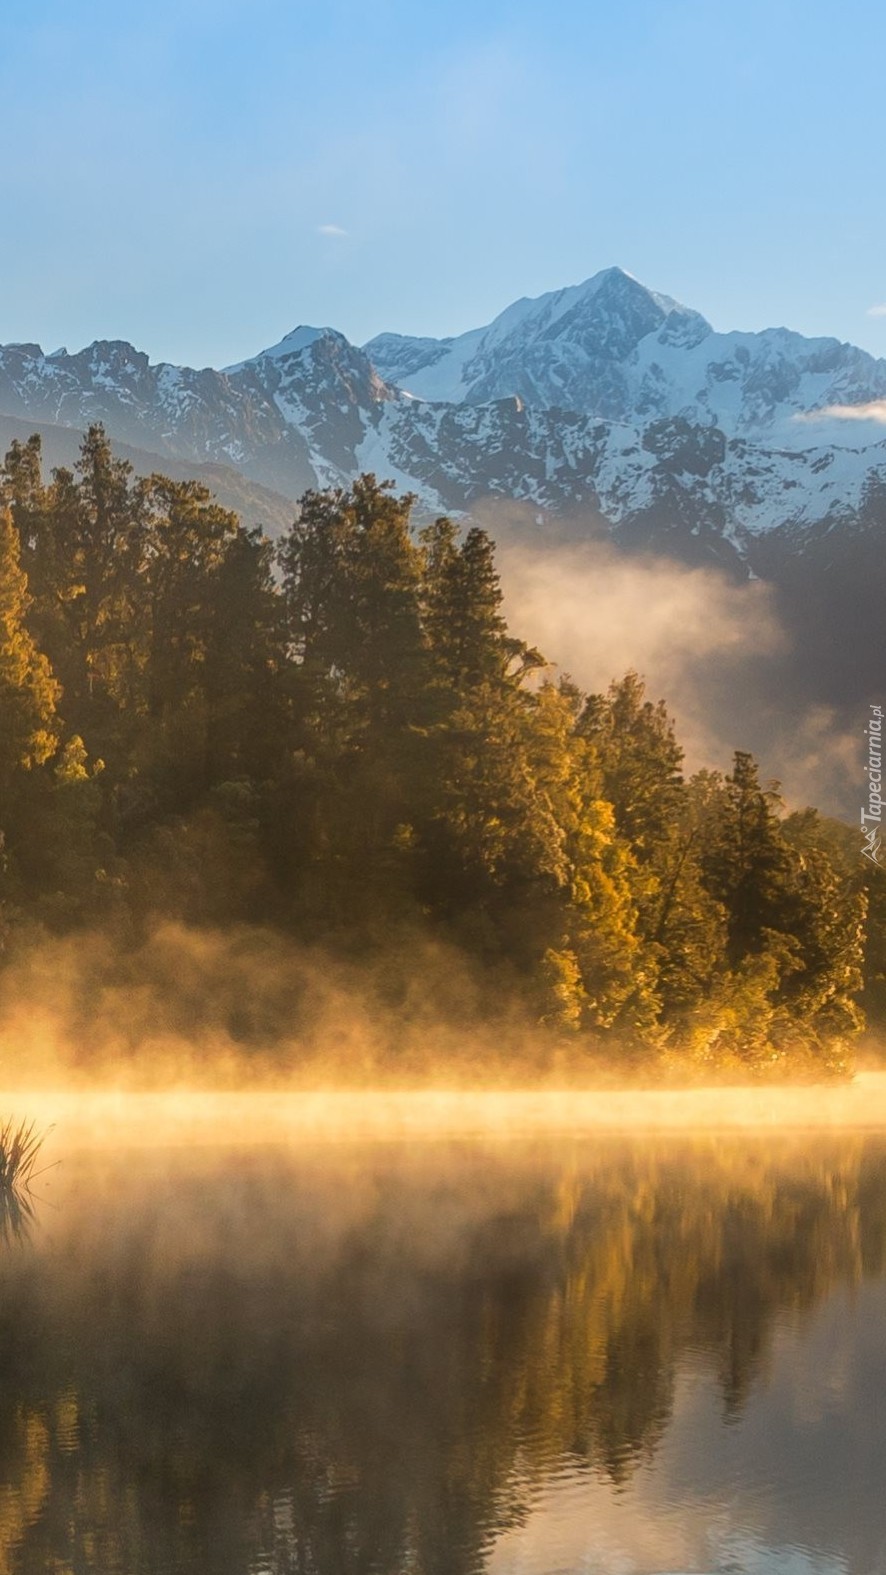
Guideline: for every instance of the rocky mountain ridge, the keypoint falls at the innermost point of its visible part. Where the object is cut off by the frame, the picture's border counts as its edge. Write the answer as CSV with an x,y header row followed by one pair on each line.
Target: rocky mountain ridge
x,y
604,402
614,349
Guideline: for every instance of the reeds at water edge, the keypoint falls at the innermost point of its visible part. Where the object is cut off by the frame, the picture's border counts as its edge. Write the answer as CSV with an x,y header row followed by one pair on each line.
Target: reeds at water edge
x,y
20,1145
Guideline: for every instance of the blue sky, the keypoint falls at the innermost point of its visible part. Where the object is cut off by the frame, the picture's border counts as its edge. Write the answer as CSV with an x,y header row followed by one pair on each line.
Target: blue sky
x,y
201,176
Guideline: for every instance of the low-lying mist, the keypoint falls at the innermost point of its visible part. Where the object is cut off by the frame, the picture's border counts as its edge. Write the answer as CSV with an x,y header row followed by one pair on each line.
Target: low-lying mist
x,y
98,1116
219,1007
242,1036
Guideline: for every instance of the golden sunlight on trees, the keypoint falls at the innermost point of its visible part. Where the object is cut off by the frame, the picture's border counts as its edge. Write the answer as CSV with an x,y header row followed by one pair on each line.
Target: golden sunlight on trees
x,y
340,739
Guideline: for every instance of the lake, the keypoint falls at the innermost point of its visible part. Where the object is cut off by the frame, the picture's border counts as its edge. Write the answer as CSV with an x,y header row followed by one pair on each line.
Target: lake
x,y
547,1352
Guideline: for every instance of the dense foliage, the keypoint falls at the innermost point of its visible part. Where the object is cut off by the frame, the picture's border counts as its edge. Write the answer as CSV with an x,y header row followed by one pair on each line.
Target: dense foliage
x,y
339,738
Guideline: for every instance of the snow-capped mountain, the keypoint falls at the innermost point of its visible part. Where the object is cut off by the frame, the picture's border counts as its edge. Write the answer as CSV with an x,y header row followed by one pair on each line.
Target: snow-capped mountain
x,y
613,349
603,401
201,416
325,389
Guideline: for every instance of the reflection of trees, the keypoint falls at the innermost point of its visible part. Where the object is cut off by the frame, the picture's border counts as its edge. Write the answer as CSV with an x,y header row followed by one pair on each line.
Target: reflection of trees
x,y
373,1370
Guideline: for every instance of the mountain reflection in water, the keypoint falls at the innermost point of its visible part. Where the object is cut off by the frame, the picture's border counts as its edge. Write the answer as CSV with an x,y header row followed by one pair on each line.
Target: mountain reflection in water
x,y
570,1356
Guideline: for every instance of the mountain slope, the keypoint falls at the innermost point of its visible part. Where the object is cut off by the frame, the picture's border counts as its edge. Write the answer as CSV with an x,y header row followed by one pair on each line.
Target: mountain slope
x,y
614,349
178,412
255,504
631,415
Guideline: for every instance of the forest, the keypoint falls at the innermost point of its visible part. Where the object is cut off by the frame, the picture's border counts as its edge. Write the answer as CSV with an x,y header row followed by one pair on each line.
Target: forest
x,y
334,741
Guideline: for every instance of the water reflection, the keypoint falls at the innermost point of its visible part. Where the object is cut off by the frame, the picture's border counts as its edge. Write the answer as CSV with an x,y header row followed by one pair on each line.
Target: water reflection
x,y
17,1215
369,1360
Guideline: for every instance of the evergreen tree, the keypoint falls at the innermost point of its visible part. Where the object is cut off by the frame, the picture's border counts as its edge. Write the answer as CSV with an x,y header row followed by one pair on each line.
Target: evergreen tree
x,y
28,690
45,551
351,585
250,705
827,909
87,547
351,575
684,923
746,863
21,483
55,855
185,539
461,595
640,761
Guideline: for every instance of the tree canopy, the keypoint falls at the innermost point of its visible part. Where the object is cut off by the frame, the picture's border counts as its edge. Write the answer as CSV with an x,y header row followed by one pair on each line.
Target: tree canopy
x,y
338,737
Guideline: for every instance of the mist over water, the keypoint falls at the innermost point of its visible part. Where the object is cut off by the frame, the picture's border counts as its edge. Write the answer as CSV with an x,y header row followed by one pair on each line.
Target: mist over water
x,y
108,1117
573,1352
312,1281
244,1010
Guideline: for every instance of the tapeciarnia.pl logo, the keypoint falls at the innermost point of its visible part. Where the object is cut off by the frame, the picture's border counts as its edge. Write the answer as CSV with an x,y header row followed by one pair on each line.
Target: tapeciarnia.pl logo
x,y
872,816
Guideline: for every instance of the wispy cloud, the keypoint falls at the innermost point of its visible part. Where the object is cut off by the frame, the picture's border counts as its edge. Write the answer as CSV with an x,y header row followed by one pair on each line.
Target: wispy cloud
x,y
873,410
334,230
877,311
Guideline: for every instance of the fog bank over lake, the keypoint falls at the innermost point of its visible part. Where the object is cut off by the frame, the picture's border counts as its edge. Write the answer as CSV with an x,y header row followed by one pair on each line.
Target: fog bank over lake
x,y
239,1342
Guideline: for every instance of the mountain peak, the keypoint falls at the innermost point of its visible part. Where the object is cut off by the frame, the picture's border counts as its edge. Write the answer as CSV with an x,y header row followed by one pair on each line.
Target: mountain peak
x,y
114,349
611,279
567,348
614,291
302,338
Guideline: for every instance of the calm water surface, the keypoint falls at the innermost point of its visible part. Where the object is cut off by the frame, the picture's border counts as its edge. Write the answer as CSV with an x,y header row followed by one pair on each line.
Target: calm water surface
x,y
546,1358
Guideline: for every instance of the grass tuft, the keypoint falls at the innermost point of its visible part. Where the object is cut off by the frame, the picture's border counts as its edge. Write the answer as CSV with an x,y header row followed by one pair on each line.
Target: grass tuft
x,y
20,1145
